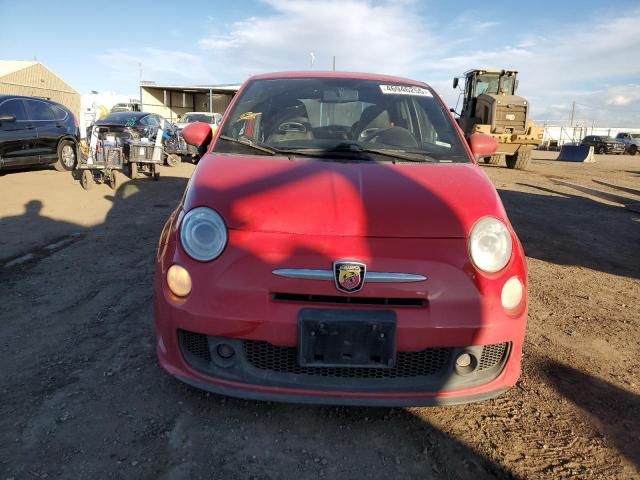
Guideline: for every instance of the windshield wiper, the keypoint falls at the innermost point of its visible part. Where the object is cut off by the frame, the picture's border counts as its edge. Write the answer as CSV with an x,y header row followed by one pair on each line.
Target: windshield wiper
x,y
386,152
342,148
260,148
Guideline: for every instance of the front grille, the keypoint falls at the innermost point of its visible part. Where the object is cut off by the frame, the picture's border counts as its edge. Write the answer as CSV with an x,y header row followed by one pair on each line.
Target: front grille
x,y
261,363
519,113
492,355
370,301
425,363
196,344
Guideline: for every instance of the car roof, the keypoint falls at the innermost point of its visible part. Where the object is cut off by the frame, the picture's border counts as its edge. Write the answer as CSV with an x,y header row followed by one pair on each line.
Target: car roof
x,y
4,96
330,74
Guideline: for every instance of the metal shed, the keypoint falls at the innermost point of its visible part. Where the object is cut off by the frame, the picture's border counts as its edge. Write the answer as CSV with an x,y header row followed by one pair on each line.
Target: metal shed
x,y
173,101
18,77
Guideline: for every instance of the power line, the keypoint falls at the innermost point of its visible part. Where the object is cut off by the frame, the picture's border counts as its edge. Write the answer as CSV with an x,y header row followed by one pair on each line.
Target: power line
x,y
611,109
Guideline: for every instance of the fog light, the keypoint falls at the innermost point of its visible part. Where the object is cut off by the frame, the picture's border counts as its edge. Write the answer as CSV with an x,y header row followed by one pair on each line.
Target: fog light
x,y
512,293
179,280
463,360
225,351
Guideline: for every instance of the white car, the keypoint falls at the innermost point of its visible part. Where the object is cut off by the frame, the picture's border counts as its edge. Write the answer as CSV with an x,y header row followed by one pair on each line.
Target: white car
x,y
212,119
631,140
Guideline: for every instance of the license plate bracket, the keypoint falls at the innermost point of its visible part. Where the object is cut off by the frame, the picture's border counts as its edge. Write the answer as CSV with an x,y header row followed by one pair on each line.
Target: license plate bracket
x,y
347,338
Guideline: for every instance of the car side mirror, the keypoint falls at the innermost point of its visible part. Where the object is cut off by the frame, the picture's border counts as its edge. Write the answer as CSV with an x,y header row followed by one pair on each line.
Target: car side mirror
x,y
455,82
482,145
197,134
7,118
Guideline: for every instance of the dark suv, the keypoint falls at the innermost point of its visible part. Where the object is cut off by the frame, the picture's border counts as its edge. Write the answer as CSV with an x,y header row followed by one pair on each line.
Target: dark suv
x,y
34,131
604,144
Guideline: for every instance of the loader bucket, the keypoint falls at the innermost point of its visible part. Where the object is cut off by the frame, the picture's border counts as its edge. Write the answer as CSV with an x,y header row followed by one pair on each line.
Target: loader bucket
x,y
576,153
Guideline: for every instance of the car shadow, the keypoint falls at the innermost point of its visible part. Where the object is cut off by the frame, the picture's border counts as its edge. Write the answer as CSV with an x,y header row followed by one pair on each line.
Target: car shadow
x,y
603,402
632,191
574,230
31,168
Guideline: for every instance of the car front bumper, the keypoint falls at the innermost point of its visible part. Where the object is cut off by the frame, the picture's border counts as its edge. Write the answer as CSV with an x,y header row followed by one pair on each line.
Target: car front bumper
x,y
236,303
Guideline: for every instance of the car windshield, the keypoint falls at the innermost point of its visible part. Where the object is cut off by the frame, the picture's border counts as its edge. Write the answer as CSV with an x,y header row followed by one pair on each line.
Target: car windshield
x,y
350,116
198,117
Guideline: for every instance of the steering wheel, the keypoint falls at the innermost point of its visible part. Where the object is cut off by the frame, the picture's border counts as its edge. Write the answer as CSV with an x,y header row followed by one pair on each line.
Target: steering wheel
x,y
371,136
368,132
287,127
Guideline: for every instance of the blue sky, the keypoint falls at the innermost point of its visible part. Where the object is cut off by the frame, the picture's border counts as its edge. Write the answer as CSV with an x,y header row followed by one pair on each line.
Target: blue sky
x,y
586,51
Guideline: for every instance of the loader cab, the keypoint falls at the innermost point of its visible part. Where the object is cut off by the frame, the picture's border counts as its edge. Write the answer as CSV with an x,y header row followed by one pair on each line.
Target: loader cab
x,y
494,83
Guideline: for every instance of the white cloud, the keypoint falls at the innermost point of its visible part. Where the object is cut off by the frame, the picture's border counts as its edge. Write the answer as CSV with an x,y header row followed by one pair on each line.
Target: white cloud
x,y
363,36
590,62
168,65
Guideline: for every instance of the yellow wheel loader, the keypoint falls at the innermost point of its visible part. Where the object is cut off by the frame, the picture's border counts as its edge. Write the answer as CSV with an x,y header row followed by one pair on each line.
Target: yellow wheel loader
x,y
491,106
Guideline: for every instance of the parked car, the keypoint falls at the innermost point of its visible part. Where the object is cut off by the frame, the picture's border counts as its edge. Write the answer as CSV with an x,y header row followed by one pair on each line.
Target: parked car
x,y
631,141
133,124
35,131
212,119
138,126
603,144
339,244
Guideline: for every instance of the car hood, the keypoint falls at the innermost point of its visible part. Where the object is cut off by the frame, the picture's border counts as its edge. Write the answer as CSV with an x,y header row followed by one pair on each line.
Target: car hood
x,y
315,197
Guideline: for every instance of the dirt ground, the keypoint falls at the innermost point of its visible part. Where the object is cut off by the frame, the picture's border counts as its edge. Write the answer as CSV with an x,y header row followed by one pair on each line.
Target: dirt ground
x,y
82,396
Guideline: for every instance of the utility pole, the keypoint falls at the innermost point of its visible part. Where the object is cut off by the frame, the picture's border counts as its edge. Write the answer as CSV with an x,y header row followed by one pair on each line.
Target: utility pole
x,y
140,84
573,111
334,63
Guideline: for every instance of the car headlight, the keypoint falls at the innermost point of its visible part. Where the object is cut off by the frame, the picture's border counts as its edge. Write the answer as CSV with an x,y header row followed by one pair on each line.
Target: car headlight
x,y
490,245
203,234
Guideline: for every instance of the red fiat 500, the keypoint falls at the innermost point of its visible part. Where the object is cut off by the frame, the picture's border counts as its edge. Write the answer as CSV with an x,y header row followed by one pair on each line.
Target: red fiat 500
x,y
338,244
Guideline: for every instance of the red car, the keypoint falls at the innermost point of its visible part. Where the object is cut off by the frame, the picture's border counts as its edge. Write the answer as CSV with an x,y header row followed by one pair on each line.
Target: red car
x,y
338,244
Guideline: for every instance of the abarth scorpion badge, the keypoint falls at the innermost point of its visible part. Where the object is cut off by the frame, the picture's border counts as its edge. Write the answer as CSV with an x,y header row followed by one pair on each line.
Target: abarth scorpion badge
x,y
349,276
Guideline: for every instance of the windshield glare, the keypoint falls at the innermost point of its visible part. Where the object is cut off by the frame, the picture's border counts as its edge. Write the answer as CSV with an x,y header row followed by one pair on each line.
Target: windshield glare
x,y
316,114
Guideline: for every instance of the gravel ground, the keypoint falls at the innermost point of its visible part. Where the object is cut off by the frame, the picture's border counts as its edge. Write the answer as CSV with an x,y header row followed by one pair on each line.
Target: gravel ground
x,y
82,395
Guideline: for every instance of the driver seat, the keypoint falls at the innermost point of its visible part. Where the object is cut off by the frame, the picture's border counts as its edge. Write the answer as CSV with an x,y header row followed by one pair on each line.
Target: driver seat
x,y
374,116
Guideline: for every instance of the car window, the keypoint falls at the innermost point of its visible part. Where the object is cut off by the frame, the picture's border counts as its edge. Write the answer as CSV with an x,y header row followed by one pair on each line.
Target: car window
x,y
14,107
59,113
40,111
328,113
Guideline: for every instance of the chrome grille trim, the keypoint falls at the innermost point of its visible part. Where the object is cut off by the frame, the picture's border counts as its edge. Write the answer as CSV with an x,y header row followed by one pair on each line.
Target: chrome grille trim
x,y
327,275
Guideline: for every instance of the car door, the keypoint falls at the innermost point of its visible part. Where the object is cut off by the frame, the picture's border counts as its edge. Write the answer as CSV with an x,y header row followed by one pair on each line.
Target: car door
x,y
48,128
18,137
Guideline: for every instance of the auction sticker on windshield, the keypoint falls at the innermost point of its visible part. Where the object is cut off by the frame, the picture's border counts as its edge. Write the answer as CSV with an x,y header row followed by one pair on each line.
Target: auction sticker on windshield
x,y
405,90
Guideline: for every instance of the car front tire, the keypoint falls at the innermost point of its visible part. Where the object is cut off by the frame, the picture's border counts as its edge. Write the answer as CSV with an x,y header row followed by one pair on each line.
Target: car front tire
x,y
601,150
632,150
67,157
